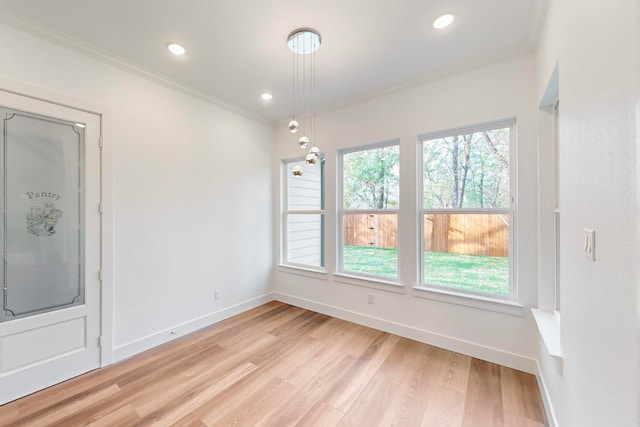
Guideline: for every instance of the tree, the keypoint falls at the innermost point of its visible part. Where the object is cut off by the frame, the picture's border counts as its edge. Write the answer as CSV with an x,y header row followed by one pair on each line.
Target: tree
x,y
371,178
467,170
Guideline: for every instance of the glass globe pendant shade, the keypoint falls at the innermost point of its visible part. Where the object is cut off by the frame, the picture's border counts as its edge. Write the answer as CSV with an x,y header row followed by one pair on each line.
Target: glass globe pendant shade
x,y
303,141
311,159
296,170
314,150
294,126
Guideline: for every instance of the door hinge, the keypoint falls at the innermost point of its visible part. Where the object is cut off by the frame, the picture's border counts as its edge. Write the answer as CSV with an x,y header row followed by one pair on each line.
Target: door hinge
x,y
100,341
100,143
100,208
100,275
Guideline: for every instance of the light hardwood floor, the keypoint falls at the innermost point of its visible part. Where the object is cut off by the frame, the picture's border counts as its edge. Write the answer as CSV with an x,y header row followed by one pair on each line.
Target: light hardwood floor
x,y
279,365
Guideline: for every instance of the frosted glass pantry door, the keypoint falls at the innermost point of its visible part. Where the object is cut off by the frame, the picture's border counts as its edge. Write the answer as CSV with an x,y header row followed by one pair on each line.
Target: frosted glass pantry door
x,y
50,237
43,224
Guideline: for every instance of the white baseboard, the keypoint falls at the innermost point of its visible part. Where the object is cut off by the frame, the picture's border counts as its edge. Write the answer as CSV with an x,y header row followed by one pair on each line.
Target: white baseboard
x,y
478,351
138,346
546,399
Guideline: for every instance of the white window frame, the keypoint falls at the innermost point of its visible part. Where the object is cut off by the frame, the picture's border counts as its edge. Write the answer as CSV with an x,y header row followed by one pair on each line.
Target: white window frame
x,y
549,197
286,176
341,211
511,211
556,195
547,314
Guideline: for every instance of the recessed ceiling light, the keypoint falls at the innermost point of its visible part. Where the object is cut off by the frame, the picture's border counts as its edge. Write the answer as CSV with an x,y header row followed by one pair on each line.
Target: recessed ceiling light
x,y
266,96
442,22
176,49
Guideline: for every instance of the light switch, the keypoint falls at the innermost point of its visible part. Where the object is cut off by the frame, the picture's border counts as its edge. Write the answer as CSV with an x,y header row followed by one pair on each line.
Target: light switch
x,y
590,244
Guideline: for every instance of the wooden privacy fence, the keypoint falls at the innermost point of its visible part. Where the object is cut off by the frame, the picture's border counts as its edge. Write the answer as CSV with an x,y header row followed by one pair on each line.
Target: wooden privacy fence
x,y
468,234
371,230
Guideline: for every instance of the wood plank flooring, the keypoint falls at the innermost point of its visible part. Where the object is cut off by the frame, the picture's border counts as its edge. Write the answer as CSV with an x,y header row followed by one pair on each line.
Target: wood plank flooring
x,y
279,365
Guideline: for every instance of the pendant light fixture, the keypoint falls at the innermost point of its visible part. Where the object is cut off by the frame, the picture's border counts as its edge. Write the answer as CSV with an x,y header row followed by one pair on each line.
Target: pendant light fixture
x,y
303,43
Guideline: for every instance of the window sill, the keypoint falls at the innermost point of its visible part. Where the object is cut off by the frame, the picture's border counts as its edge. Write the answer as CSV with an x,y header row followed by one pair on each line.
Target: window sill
x,y
549,327
369,282
468,300
303,271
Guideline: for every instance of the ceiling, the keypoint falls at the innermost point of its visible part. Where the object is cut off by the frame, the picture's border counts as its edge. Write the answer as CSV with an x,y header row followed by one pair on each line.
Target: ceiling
x,y
236,49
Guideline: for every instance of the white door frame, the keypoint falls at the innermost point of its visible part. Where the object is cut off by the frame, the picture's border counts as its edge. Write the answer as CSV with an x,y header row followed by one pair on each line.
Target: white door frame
x,y
106,191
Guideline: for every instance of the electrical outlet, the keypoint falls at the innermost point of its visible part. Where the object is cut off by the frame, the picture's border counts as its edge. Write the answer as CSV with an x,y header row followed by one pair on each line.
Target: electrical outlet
x,y
371,298
216,294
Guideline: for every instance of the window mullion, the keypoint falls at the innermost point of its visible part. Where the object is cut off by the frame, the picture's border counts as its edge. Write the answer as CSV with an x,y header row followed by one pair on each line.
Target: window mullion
x,y
306,212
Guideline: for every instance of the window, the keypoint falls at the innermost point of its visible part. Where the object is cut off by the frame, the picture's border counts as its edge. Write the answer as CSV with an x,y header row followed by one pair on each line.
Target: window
x,y
549,197
547,314
368,210
303,216
467,211
556,192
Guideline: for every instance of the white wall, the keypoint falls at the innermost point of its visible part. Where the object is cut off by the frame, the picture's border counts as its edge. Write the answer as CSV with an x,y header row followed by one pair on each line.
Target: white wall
x,y
189,179
490,93
637,272
594,45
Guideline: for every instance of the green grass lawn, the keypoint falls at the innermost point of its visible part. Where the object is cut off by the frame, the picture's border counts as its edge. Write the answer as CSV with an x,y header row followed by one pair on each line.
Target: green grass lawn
x,y
370,260
469,272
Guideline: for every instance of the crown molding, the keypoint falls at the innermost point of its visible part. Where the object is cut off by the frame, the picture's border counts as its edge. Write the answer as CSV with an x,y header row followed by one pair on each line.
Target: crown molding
x,y
109,58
